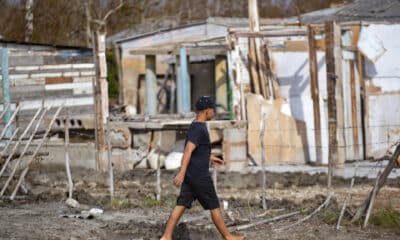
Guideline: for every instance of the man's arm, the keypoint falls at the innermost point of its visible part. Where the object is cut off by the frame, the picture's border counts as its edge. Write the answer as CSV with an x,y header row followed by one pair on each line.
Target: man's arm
x,y
187,153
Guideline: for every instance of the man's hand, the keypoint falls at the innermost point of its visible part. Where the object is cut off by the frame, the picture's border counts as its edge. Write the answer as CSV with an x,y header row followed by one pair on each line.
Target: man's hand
x,y
216,161
178,180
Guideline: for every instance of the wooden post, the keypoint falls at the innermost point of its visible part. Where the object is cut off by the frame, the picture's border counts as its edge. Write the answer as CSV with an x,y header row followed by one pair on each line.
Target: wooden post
x,y
264,71
158,183
354,122
271,82
354,113
264,178
109,158
151,85
264,79
6,89
335,97
101,97
66,156
314,88
254,27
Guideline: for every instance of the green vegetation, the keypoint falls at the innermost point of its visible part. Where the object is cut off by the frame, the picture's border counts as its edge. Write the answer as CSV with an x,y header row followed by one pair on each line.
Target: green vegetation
x,y
387,218
118,203
151,202
112,74
330,216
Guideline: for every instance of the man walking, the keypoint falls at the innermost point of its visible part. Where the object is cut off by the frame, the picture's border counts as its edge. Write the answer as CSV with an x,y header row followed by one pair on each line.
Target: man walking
x,y
194,177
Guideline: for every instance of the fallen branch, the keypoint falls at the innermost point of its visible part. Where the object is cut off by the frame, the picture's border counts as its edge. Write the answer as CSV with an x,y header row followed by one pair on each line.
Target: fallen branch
x,y
323,205
274,219
269,211
382,179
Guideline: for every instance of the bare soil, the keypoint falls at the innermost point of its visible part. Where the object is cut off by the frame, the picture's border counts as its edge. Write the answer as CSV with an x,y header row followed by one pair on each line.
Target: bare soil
x,y
134,214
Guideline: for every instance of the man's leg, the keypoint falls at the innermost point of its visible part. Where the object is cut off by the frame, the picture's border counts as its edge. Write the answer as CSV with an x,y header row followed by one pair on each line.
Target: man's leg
x,y
173,219
218,220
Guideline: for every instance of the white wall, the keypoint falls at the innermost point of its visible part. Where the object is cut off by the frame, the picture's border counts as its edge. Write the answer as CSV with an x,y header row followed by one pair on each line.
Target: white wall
x,y
292,69
383,120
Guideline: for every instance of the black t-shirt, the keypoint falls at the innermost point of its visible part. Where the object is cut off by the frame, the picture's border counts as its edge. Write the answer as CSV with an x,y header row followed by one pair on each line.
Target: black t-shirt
x,y
200,160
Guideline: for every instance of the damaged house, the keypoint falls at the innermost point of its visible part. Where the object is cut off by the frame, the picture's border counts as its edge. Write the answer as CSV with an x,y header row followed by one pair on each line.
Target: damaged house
x,y
336,64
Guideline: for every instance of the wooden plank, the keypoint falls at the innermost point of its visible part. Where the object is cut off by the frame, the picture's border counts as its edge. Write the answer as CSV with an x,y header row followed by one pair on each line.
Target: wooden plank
x,y
296,46
254,77
314,88
253,61
269,34
339,164
264,81
335,97
354,121
192,51
265,71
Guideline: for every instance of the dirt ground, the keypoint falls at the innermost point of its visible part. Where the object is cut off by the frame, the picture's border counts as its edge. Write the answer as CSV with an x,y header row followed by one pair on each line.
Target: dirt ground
x,y
134,214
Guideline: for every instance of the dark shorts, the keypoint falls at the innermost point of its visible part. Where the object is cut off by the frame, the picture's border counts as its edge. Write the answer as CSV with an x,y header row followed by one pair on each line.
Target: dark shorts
x,y
202,189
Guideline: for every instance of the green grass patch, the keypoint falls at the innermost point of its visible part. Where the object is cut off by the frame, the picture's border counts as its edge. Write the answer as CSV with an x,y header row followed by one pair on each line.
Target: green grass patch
x,y
119,203
387,218
329,216
151,202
